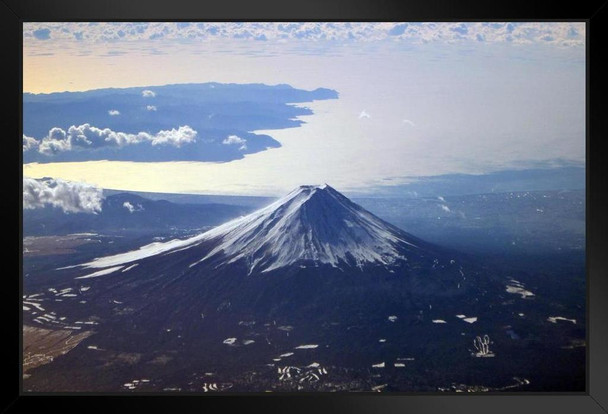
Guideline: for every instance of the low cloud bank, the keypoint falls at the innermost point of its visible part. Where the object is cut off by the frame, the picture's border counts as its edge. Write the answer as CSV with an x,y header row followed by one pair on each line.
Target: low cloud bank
x,y
70,196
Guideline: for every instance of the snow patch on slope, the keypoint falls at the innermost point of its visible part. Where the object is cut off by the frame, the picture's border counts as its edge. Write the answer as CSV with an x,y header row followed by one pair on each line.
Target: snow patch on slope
x,y
99,273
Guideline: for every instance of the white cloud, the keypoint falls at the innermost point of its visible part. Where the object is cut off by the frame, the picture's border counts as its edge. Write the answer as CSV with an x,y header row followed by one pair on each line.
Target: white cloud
x,y
56,141
29,143
128,206
87,136
440,198
131,207
151,108
147,93
445,208
70,196
234,140
556,33
175,137
113,112
364,114
408,122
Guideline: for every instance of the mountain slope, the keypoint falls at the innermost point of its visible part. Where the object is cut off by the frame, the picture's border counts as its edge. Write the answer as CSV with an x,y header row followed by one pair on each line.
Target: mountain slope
x,y
311,225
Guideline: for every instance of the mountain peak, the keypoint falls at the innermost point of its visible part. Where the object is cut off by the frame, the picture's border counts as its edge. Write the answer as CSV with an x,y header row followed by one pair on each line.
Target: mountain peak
x,y
312,225
314,188
305,195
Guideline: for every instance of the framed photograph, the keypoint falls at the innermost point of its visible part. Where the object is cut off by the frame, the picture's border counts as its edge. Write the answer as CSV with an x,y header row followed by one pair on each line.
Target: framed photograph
x,y
309,208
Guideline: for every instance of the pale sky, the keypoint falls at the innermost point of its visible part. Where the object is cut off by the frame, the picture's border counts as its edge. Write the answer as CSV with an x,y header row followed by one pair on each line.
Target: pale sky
x,y
414,100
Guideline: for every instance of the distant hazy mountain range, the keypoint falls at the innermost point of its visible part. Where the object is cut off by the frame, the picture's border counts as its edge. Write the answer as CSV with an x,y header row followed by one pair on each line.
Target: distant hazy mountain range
x,y
128,214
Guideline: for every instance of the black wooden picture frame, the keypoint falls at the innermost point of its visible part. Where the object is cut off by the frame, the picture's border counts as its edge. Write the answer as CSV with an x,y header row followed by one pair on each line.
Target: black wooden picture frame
x,y
595,13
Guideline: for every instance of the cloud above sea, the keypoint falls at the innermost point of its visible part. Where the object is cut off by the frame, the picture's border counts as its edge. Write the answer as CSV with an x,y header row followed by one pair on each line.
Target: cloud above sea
x,y
70,196
86,136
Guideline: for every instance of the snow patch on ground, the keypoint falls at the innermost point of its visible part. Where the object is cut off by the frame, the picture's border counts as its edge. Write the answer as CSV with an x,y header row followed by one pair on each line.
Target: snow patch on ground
x,y
554,319
308,346
34,304
518,288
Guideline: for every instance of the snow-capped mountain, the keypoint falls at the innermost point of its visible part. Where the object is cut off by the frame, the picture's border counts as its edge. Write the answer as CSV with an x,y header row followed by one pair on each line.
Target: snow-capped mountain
x,y
312,225
313,249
